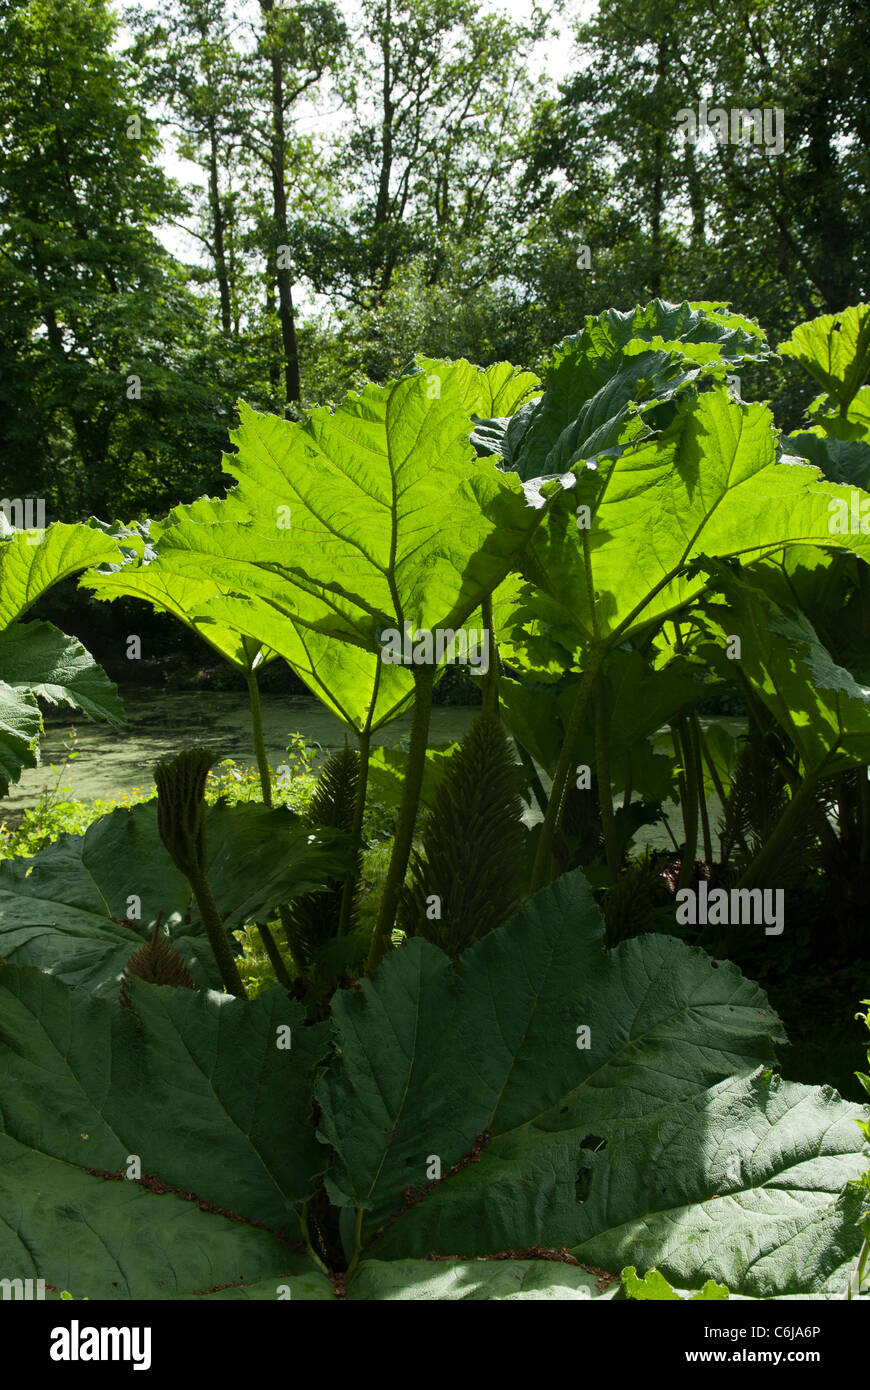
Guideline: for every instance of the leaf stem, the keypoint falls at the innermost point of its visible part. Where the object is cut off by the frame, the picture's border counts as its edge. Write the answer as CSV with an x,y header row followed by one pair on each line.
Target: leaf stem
x,y
259,741
689,785
350,882
696,736
357,1243
276,960
602,774
424,677
493,673
271,946
717,783
216,932
303,1222
543,859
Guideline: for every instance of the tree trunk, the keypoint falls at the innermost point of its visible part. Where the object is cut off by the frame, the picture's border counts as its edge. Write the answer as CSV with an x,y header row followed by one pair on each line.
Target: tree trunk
x,y
380,266
657,182
286,315
697,200
835,271
217,217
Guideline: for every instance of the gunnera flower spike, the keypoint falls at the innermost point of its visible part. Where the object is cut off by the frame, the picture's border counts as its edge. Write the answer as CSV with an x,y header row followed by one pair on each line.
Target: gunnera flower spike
x,y
181,823
159,962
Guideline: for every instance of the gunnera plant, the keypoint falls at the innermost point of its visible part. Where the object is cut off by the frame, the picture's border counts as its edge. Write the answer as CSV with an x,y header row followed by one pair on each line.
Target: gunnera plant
x,y
638,902
181,825
317,917
469,877
159,962
755,802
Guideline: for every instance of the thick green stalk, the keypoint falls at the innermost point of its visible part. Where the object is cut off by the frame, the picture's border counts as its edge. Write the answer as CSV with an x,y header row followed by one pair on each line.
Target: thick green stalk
x,y
282,975
858,1277
543,868
602,775
271,946
686,752
491,679
782,832
208,911
717,782
696,737
424,677
259,741
356,830
357,1242
683,743
303,1222
666,823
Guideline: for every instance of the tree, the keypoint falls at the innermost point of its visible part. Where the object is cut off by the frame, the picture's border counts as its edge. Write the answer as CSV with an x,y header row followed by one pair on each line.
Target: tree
x,y
112,378
437,98
297,46
779,231
605,169
802,215
192,65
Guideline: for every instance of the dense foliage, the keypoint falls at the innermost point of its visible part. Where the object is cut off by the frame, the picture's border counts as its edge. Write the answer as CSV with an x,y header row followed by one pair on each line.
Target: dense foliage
x,y
357,187
534,1073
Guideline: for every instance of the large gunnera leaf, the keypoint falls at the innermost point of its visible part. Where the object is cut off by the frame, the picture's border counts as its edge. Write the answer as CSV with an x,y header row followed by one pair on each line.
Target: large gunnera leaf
x,y
708,485
29,566
432,1056
344,528
538,1077
823,709
746,1184
37,662
835,349
606,385
212,1096
66,915
180,594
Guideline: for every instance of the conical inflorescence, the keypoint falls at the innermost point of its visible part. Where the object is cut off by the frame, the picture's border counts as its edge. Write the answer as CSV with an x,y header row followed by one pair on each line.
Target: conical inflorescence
x,y
469,877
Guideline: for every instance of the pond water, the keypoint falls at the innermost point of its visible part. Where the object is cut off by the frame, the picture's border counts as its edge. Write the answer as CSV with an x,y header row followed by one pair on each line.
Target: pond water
x,y
111,761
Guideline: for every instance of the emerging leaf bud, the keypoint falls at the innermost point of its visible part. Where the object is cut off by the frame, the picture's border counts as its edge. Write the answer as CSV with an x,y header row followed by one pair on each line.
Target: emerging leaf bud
x,y
181,807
